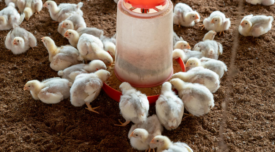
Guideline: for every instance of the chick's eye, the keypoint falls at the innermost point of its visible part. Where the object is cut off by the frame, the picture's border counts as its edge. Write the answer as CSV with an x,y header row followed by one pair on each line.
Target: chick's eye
x,y
70,33
48,4
216,20
29,86
157,140
245,23
17,40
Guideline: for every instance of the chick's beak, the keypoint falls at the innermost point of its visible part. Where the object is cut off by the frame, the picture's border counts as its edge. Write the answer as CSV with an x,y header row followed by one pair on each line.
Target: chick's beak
x,y
63,25
45,5
42,39
197,17
242,24
132,134
189,47
212,21
25,88
153,141
66,34
14,42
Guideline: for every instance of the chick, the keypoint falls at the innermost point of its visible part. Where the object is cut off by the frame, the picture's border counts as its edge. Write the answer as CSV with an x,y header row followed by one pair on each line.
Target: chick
x,y
217,22
73,22
164,144
185,16
133,105
86,88
263,2
19,40
214,65
109,45
202,76
61,57
255,25
197,99
186,54
169,107
73,36
71,72
49,91
11,1
62,11
209,35
141,134
182,45
9,16
29,7
209,48
91,48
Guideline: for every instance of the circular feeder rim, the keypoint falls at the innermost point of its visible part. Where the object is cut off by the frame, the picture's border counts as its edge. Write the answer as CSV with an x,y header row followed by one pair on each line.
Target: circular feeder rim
x,y
115,94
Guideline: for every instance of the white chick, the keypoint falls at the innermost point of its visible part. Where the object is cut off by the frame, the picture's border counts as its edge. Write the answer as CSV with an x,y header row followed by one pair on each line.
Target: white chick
x,y
217,22
141,134
73,36
209,35
186,54
169,107
197,99
202,76
49,91
255,25
185,16
209,48
62,11
182,45
86,88
19,40
263,2
11,1
61,57
109,45
9,16
71,72
212,64
91,48
133,105
29,7
164,144
73,22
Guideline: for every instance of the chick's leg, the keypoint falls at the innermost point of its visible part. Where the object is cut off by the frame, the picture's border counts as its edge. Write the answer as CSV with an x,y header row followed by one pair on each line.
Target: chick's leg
x,y
123,124
201,26
187,115
91,109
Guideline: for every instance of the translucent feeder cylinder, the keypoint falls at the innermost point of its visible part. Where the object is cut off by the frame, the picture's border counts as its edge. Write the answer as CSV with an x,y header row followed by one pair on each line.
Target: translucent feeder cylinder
x,y
144,45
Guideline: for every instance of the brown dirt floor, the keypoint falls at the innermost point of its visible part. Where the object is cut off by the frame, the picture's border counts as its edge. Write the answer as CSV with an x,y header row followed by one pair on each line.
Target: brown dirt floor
x,y
29,125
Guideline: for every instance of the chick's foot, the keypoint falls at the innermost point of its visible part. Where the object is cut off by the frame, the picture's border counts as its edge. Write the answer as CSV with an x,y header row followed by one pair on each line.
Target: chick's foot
x,y
91,109
123,124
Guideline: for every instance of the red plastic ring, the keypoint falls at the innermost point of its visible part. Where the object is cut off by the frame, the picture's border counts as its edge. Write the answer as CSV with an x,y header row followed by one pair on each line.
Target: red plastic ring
x,y
114,94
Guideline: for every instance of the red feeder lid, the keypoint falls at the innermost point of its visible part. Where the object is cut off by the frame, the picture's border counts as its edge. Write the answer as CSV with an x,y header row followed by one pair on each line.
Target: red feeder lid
x,y
146,4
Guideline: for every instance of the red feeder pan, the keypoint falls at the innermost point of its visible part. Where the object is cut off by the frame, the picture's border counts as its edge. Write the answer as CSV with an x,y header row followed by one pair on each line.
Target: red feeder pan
x,y
146,4
114,94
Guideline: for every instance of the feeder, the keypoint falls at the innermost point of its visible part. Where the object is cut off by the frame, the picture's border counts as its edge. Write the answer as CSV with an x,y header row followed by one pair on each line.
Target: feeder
x,y
144,44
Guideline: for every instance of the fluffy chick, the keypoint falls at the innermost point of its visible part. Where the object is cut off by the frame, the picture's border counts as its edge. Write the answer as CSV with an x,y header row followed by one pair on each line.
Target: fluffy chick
x,y
255,25
186,54
202,76
209,48
9,16
29,7
133,105
109,45
49,91
164,144
182,45
141,134
209,35
169,107
86,88
91,48
62,11
212,64
263,2
19,40
71,72
73,35
184,15
73,22
217,22
197,99
61,57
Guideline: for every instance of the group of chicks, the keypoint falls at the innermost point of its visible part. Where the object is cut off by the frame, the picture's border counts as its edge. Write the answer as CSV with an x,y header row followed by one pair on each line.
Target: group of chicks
x,y
83,82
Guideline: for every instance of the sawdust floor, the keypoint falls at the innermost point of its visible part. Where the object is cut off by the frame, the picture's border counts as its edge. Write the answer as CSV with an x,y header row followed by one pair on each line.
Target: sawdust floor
x,y
29,125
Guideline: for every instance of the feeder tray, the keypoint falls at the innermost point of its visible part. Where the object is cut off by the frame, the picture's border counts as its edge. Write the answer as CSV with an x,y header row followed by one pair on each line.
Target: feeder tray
x,y
115,94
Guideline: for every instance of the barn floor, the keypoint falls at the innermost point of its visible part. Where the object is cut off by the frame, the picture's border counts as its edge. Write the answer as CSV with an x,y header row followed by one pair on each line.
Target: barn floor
x,y
29,125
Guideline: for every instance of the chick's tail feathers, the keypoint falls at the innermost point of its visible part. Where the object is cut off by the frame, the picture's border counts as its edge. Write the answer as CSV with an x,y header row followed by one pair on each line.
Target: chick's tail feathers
x,y
79,5
28,13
